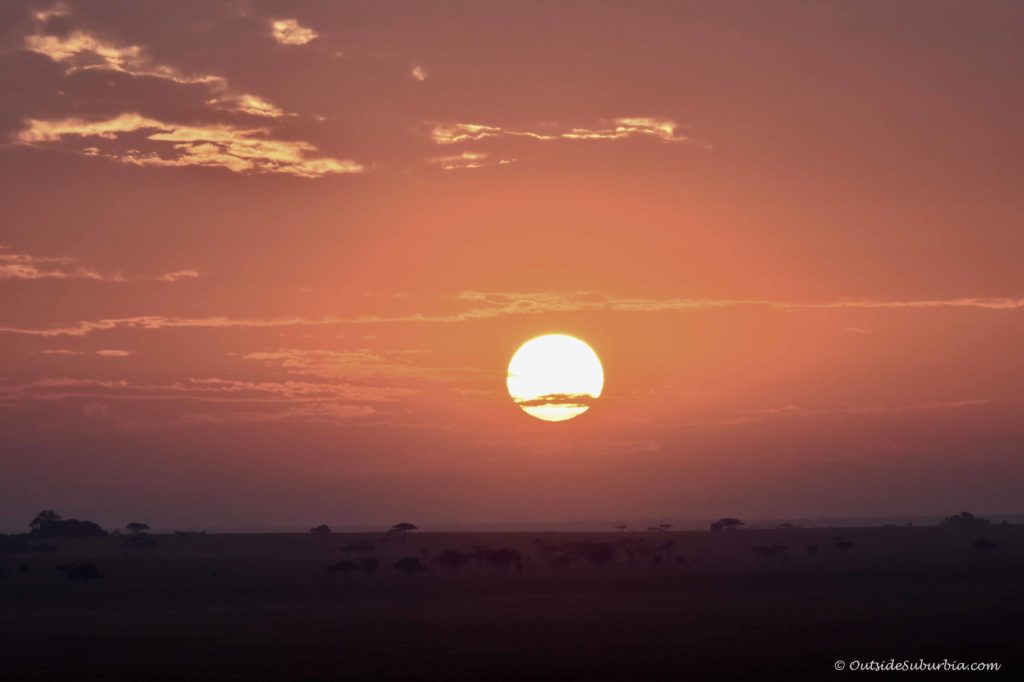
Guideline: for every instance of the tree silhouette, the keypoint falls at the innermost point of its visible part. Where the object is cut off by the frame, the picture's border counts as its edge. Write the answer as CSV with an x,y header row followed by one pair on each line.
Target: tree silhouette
x,y
321,533
559,561
357,547
621,528
843,546
504,558
403,528
964,519
409,565
983,545
136,527
727,523
770,551
139,543
452,559
370,565
50,525
43,519
664,526
83,572
344,567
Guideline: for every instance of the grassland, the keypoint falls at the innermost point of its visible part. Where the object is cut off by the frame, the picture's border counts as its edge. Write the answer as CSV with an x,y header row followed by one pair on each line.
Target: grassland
x,y
241,607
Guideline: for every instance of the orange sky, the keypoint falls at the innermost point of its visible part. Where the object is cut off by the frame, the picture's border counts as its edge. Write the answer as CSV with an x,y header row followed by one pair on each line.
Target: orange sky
x,y
265,263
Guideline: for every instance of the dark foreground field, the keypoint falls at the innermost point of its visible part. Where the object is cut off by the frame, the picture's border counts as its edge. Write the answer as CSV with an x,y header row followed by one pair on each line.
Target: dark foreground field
x,y
239,607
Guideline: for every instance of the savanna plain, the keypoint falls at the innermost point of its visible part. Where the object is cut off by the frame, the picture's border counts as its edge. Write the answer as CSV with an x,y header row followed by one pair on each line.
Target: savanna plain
x,y
619,605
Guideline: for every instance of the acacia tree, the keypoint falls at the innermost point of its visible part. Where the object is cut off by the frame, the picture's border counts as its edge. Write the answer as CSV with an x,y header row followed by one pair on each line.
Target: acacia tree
x,y
136,527
983,545
43,519
139,543
321,532
964,519
403,528
409,565
357,547
452,559
344,567
727,523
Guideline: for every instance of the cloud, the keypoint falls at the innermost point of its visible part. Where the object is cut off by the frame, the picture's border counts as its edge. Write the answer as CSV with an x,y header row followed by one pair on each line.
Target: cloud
x,y
291,32
178,275
418,73
246,104
106,353
84,51
466,160
58,9
241,150
221,400
81,51
328,364
756,416
311,412
212,389
559,399
662,129
492,304
152,322
483,306
25,266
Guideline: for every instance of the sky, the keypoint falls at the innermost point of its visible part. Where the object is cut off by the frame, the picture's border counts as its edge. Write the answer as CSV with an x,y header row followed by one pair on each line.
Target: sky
x,y
265,263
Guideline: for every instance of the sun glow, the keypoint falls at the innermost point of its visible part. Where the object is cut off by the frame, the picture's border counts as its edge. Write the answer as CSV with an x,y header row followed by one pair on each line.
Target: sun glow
x,y
555,377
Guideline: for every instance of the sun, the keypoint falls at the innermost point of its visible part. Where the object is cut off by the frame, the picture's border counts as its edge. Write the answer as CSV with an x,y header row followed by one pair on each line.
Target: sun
x,y
555,377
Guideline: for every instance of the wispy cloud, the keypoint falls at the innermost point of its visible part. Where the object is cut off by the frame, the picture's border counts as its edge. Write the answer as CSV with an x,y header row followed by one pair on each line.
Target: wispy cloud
x,y
81,51
178,275
220,400
291,32
58,9
241,150
84,51
104,353
482,306
357,364
467,161
418,73
663,129
755,416
26,266
490,304
560,399
246,104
